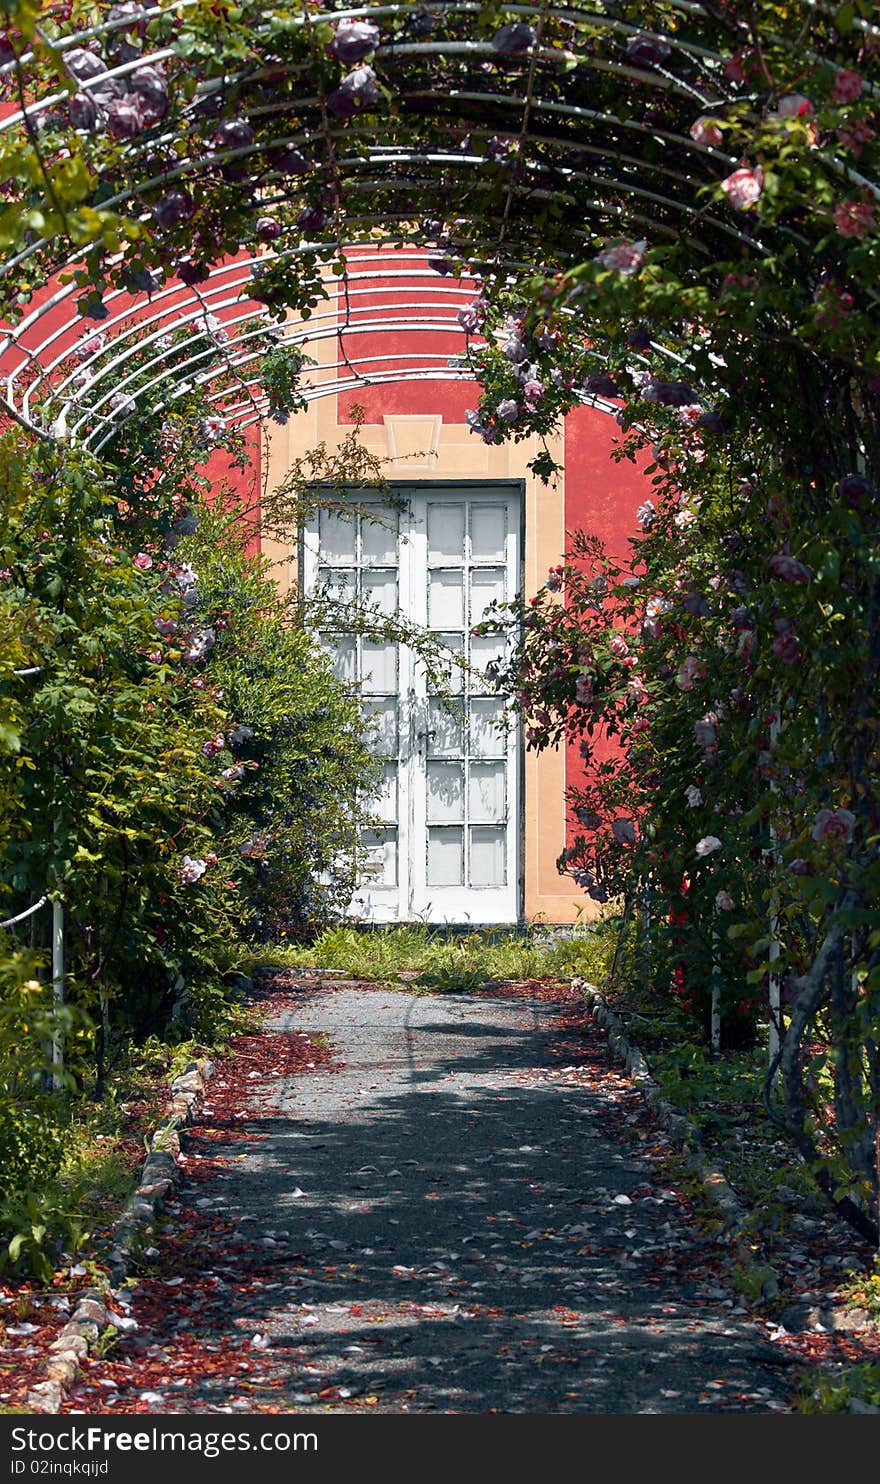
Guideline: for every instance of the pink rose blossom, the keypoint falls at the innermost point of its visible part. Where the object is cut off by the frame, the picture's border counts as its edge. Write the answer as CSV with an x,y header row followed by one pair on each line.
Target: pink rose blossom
x,y
186,577
855,136
624,257
788,568
833,304
472,315
795,106
724,901
89,347
704,131
847,86
689,672
214,745
854,218
693,796
706,730
255,848
707,845
833,824
143,561
191,870
787,648
619,646
743,188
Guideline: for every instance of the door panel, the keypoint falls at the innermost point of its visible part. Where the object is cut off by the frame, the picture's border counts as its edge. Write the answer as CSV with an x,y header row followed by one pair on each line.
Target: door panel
x,y
446,843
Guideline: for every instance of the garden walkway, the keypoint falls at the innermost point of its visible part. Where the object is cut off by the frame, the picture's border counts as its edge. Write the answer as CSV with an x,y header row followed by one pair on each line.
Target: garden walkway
x,y
459,1210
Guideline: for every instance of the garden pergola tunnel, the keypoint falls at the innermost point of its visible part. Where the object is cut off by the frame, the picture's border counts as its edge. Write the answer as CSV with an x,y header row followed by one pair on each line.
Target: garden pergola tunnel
x,y
663,206
173,168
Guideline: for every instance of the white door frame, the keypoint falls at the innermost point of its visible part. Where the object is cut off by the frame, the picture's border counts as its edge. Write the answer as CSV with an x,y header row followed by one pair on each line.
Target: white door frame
x,y
483,766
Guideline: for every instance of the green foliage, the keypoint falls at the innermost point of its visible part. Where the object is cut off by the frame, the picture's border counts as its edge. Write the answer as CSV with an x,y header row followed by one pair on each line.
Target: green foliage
x,y
36,1226
864,1292
31,1143
855,1388
185,774
280,376
295,773
431,956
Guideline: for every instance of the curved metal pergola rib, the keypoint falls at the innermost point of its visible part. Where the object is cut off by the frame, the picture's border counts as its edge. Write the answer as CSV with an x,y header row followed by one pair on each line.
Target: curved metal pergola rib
x,y
576,133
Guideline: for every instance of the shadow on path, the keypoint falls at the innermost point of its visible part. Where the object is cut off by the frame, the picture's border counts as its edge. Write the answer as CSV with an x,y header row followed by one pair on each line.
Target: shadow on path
x,y
464,1217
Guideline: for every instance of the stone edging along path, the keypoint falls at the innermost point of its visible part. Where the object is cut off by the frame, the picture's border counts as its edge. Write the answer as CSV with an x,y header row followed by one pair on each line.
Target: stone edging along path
x,y
734,1216
93,1315
732,1213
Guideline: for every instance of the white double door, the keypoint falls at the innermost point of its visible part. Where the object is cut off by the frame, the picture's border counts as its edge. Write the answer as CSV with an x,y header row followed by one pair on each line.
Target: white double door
x,y
445,847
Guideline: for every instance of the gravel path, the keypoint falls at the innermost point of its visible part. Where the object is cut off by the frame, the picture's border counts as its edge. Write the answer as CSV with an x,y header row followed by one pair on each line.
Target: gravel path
x,y
466,1217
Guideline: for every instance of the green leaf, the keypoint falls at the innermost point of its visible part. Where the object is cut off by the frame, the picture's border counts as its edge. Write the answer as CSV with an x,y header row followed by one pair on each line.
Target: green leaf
x,y
844,18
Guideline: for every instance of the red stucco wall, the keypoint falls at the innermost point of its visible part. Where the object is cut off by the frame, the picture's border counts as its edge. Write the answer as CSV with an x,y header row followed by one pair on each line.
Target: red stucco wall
x,y
601,498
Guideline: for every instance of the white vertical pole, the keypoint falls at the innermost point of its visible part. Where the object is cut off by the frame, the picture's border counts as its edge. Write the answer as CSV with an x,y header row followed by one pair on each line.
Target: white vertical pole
x,y
715,1026
57,992
775,993
646,934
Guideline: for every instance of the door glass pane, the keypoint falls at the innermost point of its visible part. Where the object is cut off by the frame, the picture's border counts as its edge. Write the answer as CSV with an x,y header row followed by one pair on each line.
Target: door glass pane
x,y
445,792
336,538
445,532
342,650
340,583
486,802
445,600
486,649
379,536
486,738
445,856
379,589
384,801
445,737
487,863
452,672
380,868
487,586
380,721
379,667
488,532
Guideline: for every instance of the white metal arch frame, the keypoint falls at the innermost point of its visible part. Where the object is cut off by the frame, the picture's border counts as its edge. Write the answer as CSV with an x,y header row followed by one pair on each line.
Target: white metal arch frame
x,y
554,102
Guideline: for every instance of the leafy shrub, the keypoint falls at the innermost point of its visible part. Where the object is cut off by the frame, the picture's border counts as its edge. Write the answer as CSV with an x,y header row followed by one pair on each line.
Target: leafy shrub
x,y
31,1144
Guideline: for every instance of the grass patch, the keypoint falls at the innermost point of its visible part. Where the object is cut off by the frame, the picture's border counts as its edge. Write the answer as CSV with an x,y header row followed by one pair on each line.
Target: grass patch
x,y
434,958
